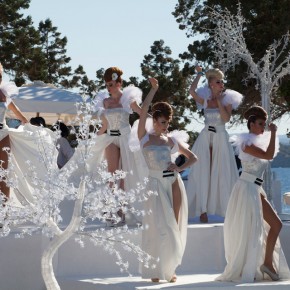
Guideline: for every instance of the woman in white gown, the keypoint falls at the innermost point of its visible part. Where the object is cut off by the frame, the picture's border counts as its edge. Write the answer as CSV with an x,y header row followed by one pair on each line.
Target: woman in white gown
x,y
6,91
251,226
24,148
210,180
113,137
165,237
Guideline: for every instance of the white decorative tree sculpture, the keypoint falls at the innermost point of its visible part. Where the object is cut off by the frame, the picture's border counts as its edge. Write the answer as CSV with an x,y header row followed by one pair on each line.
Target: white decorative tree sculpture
x,y
268,72
94,191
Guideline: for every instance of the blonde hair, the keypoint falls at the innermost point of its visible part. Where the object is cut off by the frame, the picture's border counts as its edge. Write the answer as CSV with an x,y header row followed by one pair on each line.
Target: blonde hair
x,y
214,73
109,72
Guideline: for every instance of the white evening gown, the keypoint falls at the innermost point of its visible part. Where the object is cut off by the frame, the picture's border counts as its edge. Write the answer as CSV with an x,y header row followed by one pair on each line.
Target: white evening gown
x,y
209,190
24,148
164,238
118,133
245,230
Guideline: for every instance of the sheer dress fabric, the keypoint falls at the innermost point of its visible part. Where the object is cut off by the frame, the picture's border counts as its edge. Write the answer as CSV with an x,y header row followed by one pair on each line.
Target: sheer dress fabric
x,y
163,238
245,230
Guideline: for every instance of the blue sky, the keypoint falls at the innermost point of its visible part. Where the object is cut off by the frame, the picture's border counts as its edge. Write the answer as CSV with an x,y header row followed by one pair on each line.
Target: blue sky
x,y
104,33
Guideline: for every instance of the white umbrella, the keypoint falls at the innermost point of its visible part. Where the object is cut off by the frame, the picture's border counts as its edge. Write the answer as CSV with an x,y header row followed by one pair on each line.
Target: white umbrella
x,y
47,101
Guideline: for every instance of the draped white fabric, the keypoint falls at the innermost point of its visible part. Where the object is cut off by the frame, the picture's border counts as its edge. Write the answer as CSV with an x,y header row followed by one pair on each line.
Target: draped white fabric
x,y
164,238
213,176
24,148
245,230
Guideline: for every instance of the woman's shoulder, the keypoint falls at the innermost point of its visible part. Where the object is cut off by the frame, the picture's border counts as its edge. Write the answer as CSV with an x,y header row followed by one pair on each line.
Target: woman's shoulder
x,y
231,97
131,94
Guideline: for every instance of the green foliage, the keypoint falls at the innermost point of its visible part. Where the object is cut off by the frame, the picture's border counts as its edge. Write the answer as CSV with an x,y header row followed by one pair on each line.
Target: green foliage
x,y
267,21
18,38
80,81
28,54
54,48
173,82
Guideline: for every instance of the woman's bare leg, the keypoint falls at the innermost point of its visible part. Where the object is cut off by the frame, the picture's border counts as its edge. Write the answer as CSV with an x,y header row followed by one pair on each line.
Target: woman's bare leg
x,y
112,154
275,224
203,217
176,197
4,159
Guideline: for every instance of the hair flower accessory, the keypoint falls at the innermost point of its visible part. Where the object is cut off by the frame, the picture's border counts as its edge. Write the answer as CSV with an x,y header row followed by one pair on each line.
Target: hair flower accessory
x,y
114,76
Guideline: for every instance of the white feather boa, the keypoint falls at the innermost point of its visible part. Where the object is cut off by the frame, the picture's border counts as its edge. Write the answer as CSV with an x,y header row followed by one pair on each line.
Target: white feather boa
x,y
247,139
178,136
130,94
231,97
9,90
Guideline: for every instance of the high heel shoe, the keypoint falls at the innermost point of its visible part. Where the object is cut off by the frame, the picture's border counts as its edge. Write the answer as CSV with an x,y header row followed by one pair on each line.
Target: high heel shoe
x,y
274,276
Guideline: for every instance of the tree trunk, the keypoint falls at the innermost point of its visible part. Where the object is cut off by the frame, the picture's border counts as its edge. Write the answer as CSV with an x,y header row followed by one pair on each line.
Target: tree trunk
x,y
47,256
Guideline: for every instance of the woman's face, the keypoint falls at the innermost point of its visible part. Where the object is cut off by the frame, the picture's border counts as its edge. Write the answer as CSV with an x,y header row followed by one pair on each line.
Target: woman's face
x,y
217,85
258,127
161,125
113,86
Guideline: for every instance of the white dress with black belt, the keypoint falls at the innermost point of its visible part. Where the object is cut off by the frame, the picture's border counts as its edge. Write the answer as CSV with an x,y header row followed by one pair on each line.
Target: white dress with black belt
x,y
164,238
245,230
118,132
24,148
211,180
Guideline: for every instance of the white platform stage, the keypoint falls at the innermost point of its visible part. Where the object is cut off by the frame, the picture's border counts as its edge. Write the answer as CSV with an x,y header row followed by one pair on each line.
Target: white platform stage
x,y
91,268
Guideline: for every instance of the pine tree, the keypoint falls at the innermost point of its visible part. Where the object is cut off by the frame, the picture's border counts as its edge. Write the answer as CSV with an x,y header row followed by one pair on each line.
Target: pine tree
x,y
173,83
81,82
18,38
54,48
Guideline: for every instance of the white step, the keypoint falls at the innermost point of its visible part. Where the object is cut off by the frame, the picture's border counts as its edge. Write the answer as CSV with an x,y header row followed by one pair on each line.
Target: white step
x,y
86,267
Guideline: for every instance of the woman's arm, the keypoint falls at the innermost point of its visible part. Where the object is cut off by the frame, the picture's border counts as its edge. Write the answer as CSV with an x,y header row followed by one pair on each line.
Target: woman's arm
x,y
194,86
225,111
17,112
260,153
190,159
136,108
145,108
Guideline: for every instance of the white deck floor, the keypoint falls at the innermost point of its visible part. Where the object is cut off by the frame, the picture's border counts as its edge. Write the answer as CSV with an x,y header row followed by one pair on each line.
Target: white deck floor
x,y
91,268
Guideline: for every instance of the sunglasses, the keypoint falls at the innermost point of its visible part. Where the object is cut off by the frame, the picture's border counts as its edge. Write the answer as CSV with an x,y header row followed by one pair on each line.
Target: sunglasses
x,y
220,82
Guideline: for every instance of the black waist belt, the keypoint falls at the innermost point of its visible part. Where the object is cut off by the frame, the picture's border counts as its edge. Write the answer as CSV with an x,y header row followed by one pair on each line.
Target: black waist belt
x,y
1,126
212,129
167,173
258,181
115,133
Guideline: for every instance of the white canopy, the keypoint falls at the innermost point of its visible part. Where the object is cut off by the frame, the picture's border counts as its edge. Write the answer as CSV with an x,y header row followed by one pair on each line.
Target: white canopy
x,y
47,101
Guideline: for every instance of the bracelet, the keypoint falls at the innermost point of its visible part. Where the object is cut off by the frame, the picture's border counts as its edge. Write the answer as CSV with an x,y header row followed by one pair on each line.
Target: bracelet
x,y
200,73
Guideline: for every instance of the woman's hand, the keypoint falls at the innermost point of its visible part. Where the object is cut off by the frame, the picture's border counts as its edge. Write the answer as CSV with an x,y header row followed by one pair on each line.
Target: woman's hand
x,y
219,96
198,68
154,83
272,127
2,97
173,167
